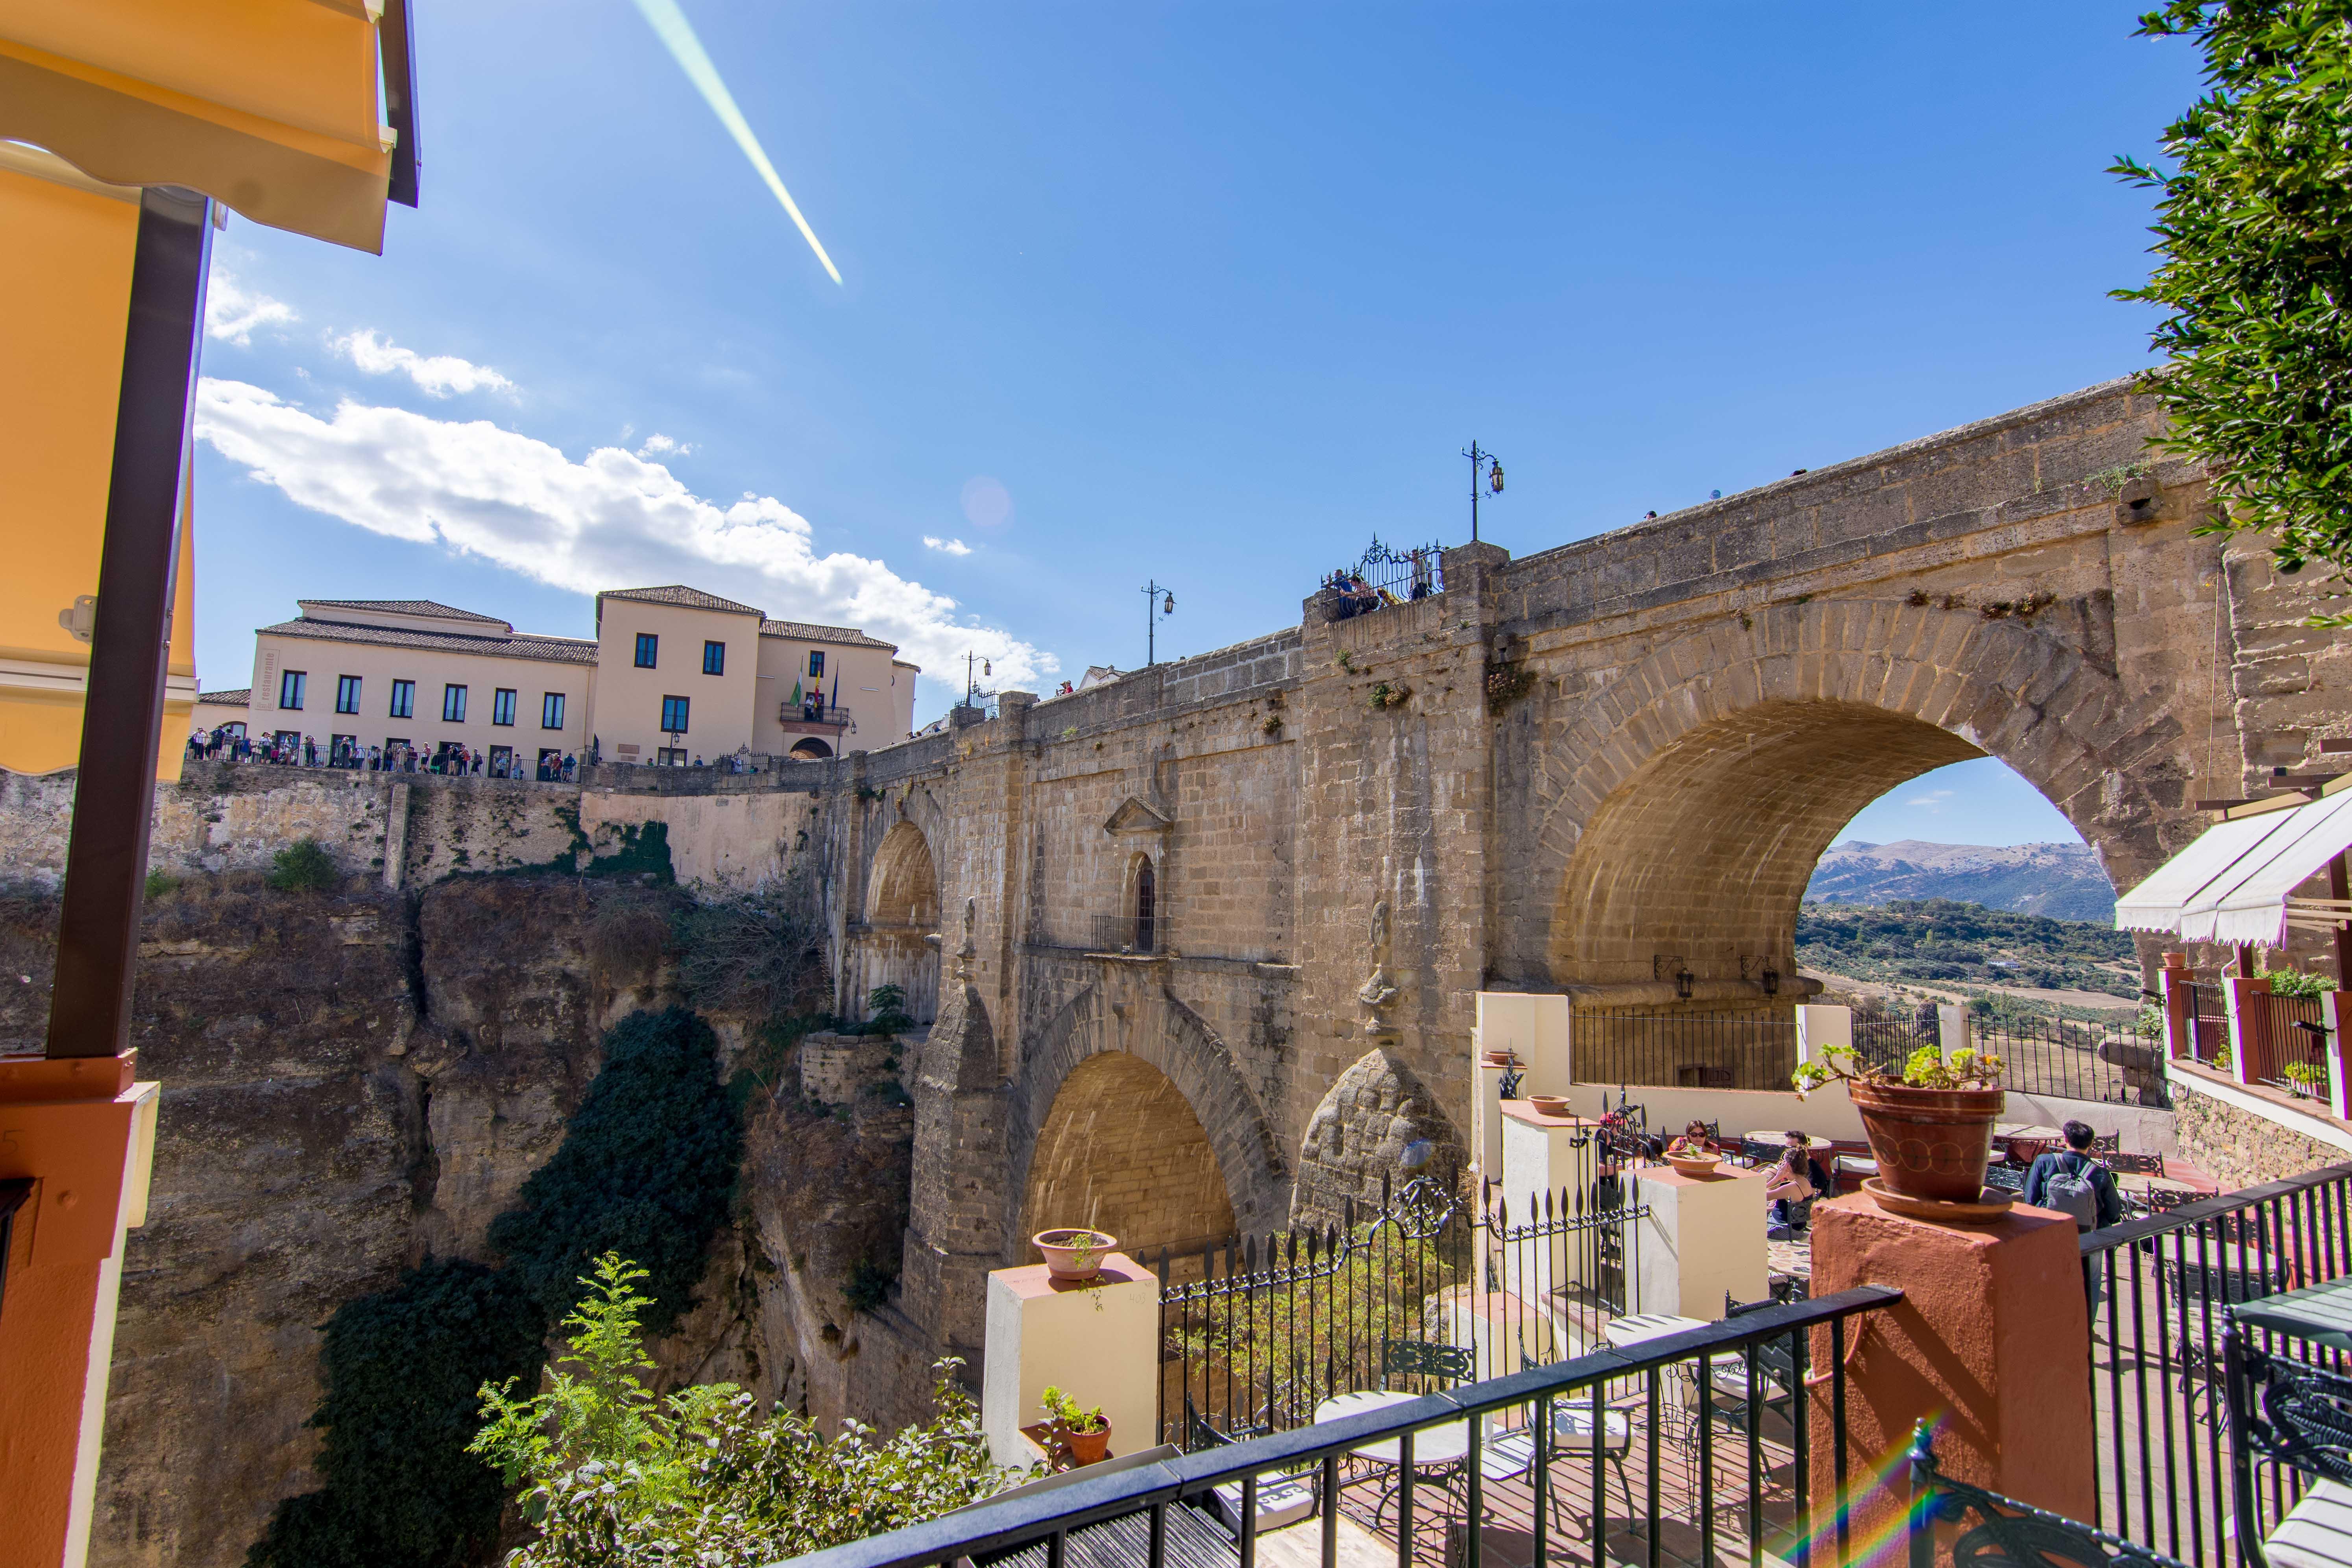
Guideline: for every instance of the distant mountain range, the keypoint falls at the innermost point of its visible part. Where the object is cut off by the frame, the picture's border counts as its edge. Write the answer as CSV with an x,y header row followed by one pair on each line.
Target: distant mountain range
x,y
2063,881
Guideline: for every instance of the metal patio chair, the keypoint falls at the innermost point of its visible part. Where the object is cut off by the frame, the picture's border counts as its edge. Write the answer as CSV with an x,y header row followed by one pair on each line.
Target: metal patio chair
x,y
2289,1414
1510,1455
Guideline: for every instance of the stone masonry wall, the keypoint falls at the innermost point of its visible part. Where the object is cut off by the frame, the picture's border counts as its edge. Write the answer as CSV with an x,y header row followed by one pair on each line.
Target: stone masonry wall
x,y
2239,1149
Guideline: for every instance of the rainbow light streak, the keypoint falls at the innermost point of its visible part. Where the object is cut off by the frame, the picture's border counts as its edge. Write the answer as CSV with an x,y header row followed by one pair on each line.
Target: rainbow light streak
x,y
669,24
1889,1543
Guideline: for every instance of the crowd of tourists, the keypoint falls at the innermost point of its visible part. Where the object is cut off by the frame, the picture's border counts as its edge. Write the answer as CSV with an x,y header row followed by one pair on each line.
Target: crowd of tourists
x,y
230,743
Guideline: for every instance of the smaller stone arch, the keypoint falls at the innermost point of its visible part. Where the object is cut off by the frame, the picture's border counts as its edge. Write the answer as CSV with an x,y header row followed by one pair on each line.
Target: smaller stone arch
x,y
1130,1017
809,749
898,945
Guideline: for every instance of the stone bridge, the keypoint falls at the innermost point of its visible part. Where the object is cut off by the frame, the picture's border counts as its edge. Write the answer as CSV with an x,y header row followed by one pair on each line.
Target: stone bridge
x,y
1200,947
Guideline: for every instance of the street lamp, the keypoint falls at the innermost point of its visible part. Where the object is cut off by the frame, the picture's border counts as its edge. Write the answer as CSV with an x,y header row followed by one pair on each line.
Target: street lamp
x,y
1157,601
1486,465
970,685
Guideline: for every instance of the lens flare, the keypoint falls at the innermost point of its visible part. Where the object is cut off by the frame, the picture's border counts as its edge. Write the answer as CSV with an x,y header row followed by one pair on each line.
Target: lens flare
x,y
669,24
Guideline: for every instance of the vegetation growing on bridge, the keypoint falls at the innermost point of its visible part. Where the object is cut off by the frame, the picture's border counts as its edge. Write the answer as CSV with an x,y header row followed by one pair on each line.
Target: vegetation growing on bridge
x,y
2256,225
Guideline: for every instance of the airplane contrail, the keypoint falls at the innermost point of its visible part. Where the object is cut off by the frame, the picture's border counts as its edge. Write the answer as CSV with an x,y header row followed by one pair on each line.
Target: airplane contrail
x,y
670,23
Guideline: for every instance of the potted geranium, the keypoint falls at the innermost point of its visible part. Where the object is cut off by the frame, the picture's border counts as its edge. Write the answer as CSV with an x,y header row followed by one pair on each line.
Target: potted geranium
x,y
1930,1128
1084,1433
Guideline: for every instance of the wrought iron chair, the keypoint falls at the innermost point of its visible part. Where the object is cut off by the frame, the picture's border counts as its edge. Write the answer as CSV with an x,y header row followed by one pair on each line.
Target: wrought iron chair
x,y
1510,1455
1281,1500
2012,1534
2291,1414
1435,1362
1776,1369
2193,1287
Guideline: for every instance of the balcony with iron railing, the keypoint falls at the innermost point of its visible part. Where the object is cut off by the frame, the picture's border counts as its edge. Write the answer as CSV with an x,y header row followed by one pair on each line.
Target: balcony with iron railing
x,y
799,718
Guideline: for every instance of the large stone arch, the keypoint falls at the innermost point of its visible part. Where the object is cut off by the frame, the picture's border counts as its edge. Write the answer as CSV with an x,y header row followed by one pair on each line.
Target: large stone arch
x,y
1696,789
1135,1016
1121,1150
899,941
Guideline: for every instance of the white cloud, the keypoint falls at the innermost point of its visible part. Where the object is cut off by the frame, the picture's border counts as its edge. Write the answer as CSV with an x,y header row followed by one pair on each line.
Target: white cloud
x,y
657,443
1932,800
946,546
438,375
233,313
610,519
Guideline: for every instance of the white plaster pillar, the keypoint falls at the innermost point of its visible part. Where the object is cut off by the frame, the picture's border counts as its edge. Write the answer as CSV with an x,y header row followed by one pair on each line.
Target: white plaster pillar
x,y
1822,1029
1703,1238
1098,1342
1952,1027
2339,1081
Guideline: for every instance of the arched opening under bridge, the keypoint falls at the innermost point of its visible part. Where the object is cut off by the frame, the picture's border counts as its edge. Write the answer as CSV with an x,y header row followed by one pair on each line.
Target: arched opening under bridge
x,y
1122,1151
902,909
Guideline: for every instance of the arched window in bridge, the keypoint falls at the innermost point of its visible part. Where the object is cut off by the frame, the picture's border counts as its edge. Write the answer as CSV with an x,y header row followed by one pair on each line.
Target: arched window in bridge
x,y
1147,901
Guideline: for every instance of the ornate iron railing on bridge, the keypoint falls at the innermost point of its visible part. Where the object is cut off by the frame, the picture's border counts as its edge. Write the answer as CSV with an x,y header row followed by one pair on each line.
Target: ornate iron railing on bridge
x,y
1385,576
1255,1334
1689,1050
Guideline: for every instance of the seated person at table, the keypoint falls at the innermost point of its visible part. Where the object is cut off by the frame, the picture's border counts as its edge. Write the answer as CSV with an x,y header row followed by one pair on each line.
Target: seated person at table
x,y
1795,1182
1694,1140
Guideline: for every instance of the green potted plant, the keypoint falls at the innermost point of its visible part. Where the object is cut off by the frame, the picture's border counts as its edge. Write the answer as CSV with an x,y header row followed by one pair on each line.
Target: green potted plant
x,y
1930,1128
1084,1433
1074,1253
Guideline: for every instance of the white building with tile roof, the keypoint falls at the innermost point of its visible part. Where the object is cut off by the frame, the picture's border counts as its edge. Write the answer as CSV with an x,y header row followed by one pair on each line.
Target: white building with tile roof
x,y
673,674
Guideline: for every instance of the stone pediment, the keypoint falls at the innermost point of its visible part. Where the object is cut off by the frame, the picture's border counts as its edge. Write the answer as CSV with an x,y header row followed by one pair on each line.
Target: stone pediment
x,y
1132,817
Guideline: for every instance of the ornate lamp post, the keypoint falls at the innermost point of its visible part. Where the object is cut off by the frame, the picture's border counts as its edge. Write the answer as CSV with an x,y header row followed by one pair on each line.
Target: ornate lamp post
x,y
1157,601
1483,466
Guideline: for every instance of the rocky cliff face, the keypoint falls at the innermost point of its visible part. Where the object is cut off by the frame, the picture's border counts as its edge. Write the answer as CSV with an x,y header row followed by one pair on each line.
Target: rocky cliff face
x,y
355,1080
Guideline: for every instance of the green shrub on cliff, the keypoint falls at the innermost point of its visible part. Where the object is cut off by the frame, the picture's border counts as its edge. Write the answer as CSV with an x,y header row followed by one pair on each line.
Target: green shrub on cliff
x,y
400,1369
647,1169
304,867
608,1473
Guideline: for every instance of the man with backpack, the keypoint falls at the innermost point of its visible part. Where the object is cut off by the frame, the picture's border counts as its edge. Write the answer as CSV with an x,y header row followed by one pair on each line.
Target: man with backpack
x,y
2070,1182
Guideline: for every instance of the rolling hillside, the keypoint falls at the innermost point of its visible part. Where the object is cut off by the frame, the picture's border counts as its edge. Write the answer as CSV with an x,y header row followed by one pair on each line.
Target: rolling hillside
x,y
2063,881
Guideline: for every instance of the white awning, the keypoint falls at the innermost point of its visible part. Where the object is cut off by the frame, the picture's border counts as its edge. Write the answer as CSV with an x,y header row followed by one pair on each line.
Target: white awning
x,y
2233,883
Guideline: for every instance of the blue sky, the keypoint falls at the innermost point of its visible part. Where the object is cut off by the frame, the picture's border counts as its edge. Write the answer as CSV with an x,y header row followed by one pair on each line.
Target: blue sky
x,y
1201,293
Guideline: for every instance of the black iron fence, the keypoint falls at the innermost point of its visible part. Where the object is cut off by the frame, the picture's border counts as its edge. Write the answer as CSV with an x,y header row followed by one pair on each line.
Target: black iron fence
x,y
2208,1023
2163,1286
1715,1422
2285,1041
1256,1336
1385,576
1689,1050
2104,1058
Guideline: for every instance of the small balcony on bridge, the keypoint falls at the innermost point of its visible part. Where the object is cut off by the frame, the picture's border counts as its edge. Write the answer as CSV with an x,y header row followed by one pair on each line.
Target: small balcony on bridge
x,y
813,729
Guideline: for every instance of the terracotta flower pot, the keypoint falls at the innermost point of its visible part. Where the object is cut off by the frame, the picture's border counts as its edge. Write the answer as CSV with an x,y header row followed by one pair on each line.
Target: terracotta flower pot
x,y
1929,1142
1064,1246
1087,1447
1548,1104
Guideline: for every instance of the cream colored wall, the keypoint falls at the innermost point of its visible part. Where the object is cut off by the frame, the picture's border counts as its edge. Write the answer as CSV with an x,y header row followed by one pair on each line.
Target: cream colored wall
x,y
629,700
879,696
378,667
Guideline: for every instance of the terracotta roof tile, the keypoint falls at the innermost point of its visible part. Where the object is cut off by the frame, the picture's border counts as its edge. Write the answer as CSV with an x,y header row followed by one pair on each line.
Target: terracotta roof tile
x,y
406,607
806,631
558,650
679,594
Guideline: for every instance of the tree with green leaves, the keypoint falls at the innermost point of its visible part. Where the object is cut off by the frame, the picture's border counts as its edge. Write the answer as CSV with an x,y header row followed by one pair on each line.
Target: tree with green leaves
x,y
2256,225
607,1472
401,1488
647,1168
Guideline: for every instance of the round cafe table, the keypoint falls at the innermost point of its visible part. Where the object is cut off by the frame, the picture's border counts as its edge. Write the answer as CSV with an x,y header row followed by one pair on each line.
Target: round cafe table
x,y
1435,1447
